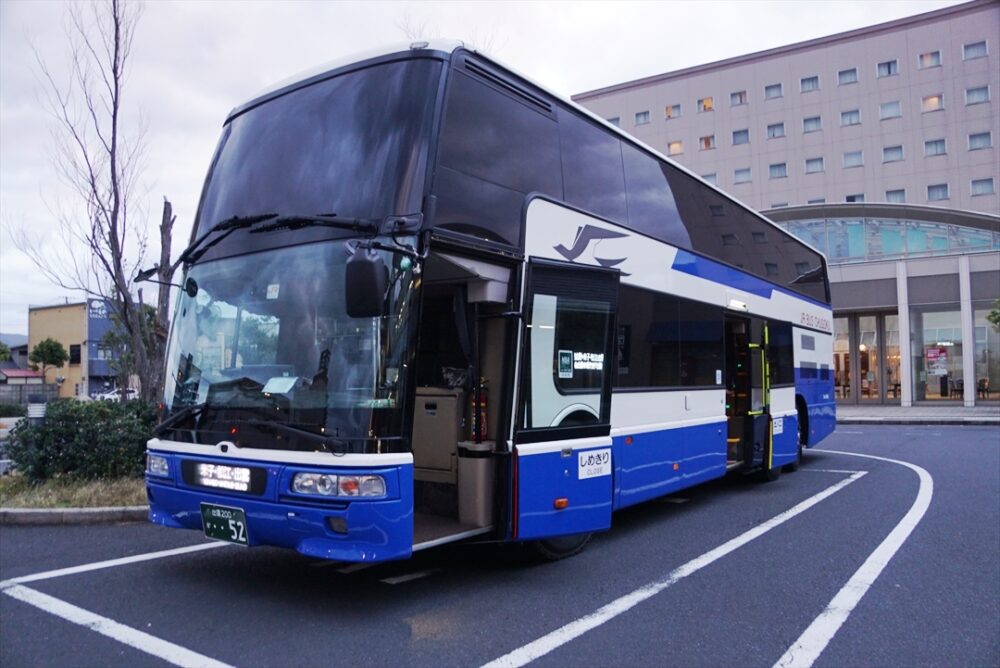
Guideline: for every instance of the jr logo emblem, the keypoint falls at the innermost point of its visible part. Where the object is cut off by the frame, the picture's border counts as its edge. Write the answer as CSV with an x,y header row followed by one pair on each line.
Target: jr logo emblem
x,y
584,236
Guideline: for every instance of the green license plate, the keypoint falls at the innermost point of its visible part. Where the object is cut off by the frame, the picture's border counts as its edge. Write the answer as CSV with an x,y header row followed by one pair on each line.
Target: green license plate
x,y
224,523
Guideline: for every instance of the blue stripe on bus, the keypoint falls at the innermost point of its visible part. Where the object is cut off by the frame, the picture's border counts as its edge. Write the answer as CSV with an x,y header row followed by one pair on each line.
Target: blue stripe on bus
x,y
377,530
702,267
821,407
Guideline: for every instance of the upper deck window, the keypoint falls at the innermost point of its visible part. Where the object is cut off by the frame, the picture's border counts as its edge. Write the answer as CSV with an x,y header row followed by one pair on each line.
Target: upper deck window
x,y
354,145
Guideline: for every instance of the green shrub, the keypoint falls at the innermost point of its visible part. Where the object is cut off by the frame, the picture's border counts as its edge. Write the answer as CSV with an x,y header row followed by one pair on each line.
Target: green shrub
x,y
13,410
87,440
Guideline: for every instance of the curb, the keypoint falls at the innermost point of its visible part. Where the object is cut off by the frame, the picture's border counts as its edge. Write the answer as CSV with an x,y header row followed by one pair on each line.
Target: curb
x,y
53,516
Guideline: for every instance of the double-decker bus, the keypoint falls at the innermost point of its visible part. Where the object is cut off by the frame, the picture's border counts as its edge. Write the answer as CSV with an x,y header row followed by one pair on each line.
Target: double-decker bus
x,y
428,300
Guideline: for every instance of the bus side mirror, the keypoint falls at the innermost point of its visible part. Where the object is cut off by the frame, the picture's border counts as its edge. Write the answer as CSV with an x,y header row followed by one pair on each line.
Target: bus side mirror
x,y
364,284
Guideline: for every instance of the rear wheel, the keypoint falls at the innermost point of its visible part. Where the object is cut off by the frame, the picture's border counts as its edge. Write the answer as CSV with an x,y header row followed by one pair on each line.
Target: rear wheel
x,y
554,549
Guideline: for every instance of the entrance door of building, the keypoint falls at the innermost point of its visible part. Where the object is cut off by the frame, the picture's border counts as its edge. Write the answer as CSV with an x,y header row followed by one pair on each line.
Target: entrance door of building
x,y
866,358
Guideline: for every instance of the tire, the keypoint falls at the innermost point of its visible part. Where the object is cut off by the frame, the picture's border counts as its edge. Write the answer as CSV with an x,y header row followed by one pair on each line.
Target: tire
x,y
770,475
554,549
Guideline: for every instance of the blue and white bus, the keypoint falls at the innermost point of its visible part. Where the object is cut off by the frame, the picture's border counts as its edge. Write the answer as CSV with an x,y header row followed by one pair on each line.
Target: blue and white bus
x,y
427,300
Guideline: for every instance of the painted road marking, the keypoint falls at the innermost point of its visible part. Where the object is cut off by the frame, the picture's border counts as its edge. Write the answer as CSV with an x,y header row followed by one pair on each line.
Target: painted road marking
x,y
575,629
110,563
400,579
175,654
814,639
832,470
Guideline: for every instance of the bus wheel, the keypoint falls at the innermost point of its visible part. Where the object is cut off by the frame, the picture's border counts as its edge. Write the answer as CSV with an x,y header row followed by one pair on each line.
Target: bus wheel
x,y
554,549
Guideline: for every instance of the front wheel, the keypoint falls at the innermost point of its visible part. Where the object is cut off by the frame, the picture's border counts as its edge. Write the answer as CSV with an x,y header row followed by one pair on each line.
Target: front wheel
x,y
554,549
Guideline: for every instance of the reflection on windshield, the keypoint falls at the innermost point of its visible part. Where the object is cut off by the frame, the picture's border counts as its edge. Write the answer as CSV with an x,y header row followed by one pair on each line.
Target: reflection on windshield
x,y
267,339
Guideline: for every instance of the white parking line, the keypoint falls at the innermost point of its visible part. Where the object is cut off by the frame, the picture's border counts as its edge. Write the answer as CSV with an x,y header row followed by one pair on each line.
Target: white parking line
x,y
175,654
110,563
577,628
399,579
814,639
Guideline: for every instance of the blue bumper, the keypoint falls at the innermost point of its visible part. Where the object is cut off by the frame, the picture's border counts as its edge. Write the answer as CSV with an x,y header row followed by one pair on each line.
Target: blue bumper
x,y
377,529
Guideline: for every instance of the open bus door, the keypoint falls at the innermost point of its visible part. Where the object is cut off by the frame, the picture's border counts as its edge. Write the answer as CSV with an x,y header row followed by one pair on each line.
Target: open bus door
x,y
562,480
748,394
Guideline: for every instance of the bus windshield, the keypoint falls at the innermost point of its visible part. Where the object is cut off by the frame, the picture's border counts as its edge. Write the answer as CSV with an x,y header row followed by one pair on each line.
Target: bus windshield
x,y
268,356
353,145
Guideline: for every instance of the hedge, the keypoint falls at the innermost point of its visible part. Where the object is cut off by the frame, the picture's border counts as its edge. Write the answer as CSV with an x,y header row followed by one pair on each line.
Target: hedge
x,y
87,440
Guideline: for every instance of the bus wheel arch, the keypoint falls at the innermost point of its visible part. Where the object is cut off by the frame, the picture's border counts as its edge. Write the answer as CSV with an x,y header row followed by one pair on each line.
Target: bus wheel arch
x,y
560,547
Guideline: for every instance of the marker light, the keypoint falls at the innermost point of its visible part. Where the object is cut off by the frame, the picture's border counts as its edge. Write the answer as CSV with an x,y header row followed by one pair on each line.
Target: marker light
x,y
326,484
157,465
561,503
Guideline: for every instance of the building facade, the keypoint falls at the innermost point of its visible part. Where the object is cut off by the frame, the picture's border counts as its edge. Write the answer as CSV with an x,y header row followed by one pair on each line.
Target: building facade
x,y
81,328
878,147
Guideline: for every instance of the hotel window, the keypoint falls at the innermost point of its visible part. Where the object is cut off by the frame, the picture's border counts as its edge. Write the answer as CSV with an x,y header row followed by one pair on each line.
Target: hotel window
x,y
809,83
895,196
821,200
642,118
845,77
772,91
706,104
730,240
801,268
738,98
929,59
741,175
74,353
977,95
710,178
771,269
814,165
812,124
853,159
759,237
717,210
974,50
888,110
741,137
616,121
675,147
982,186
707,143
859,197
776,205
851,117
778,170
672,111
775,130
935,147
932,103
892,153
937,192
888,69
978,140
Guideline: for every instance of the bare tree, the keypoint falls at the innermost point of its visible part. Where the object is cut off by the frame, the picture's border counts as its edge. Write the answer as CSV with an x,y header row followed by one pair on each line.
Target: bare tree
x,y
101,162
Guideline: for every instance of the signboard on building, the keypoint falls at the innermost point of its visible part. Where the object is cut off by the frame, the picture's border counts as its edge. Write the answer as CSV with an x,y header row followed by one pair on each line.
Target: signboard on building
x,y
937,361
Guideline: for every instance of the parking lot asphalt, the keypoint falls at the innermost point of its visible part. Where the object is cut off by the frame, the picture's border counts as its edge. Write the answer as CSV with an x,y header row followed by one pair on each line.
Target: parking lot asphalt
x,y
733,572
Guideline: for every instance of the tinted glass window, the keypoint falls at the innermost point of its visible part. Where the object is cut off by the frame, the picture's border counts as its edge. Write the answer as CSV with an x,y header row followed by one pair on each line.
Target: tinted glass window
x,y
592,167
353,145
490,135
651,206
648,341
781,354
700,344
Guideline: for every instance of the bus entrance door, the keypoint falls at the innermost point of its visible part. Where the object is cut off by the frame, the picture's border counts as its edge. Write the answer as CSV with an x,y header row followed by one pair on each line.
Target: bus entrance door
x,y
748,393
563,468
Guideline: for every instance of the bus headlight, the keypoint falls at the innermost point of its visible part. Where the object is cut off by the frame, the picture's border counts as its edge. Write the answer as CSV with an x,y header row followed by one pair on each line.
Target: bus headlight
x,y
157,465
326,484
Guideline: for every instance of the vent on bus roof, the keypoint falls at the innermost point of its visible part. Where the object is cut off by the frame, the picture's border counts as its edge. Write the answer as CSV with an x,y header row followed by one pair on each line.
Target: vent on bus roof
x,y
498,80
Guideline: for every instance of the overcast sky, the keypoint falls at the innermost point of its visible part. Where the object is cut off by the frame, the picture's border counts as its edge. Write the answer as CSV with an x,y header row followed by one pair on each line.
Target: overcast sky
x,y
194,61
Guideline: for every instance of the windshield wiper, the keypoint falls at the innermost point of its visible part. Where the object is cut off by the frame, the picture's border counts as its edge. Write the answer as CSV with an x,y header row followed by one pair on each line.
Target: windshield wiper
x,y
229,225
297,222
188,411
324,441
